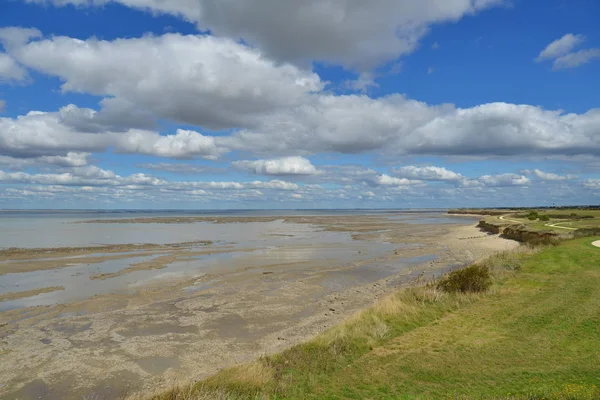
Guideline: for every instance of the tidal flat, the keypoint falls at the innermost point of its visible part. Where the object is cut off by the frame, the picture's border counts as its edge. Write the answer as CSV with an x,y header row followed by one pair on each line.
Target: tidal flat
x,y
140,311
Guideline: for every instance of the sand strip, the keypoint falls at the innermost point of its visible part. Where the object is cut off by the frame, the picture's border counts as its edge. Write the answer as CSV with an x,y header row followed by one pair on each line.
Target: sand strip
x,y
28,293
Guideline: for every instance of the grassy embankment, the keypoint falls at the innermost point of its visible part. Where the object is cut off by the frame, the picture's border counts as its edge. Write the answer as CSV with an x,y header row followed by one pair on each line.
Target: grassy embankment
x,y
534,334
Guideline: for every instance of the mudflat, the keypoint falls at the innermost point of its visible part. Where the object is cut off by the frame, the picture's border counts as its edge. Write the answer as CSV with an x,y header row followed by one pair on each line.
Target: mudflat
x,y
143,316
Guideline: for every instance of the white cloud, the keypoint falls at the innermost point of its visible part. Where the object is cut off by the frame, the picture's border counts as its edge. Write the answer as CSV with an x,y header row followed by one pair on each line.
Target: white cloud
x,y
218,82
39,134
363,83
358,35
92,176
115,115
182,168
387,180
392,125
10,70
281,166
13,36
592,184
504,180
201,80
576,59
274,184
184,144
396,126
560,47
561,51
548,176
69,160
427,173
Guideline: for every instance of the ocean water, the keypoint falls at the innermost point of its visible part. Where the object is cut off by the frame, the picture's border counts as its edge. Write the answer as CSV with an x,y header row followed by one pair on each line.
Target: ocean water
x,y
59,228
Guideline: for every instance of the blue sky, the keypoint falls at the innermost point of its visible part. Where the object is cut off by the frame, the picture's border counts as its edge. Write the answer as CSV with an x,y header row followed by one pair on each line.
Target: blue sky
x,y
281,104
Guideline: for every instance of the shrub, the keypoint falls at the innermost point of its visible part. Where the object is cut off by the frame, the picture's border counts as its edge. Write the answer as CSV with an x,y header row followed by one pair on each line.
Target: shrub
x,y
544,218
533,215
543,241
586,232
472,279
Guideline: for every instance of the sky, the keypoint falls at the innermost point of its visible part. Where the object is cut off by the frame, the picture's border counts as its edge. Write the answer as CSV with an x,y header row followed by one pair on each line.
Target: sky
x,y
214,104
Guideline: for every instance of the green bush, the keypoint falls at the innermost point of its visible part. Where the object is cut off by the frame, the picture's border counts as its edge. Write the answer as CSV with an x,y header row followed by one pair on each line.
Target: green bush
x,y
472,279
544,218
533,215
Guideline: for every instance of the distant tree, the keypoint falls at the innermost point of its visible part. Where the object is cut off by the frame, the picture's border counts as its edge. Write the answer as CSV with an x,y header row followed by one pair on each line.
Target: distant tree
x,y
533,215
544,218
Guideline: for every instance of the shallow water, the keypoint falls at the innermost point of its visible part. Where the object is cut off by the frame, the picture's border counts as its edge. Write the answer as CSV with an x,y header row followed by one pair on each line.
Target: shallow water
x,y
274,244
57,229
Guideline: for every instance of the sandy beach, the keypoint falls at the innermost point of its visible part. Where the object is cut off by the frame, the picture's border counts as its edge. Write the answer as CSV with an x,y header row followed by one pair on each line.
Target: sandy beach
x,y
174,326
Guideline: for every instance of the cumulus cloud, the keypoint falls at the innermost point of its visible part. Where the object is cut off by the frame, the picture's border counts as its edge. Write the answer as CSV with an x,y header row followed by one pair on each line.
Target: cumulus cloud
x,y
10,70
186,169
116,115
395,125
277,109
274,184
549,176
69,160
427,173
560,47
337,31
198,79
592,184
362,83
184,144
93,176
387,180
281,166
39,134
504,180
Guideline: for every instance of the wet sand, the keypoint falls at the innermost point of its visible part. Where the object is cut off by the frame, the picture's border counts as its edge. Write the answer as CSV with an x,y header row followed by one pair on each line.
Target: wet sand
x,y
29,293
182,328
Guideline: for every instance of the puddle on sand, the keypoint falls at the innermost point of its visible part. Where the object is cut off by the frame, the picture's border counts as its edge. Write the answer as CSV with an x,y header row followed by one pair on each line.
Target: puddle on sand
x,y
38,389
71,328
78,257
158,365
198,287
76,281
339,280
115,386
157,330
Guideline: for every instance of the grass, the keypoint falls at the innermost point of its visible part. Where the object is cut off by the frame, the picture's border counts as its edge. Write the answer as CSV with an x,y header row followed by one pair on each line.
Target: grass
x,y
535,334
588,219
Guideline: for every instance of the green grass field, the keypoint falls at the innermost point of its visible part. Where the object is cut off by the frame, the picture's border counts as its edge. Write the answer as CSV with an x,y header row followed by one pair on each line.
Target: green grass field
x,y
555,224
534,335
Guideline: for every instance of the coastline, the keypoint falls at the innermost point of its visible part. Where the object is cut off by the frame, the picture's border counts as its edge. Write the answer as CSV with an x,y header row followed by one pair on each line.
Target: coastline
x,y
228,317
